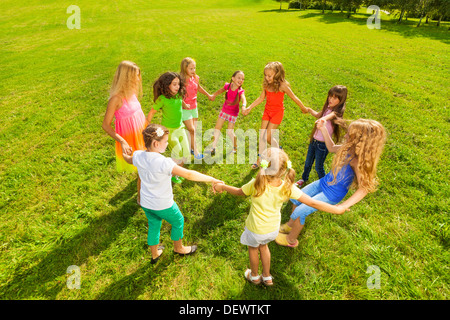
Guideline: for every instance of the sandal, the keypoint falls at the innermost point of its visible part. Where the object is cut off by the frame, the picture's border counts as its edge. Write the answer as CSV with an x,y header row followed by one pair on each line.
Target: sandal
x,y
284,228
256,165
281,240
267,281
252,279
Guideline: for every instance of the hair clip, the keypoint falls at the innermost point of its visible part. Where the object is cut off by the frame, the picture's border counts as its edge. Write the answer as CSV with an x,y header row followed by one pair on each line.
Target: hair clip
x,y
159,132
289,164
264,164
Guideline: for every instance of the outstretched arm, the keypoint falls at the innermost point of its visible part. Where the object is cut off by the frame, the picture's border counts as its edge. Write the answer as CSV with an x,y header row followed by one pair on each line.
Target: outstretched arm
x,y
220,187
203,91
193,175
262,96
215,94
286,89
322,206
150,116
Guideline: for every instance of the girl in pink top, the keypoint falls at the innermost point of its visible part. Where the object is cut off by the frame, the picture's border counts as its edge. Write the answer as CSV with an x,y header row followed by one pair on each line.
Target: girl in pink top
x,y
230,109
332,110
190,111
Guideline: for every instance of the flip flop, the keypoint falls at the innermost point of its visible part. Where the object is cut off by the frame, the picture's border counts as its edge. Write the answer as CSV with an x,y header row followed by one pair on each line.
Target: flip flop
x,y
284,228
282,241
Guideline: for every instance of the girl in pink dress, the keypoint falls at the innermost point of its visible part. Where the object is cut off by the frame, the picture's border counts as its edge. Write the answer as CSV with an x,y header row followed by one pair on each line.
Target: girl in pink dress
x,y
124,105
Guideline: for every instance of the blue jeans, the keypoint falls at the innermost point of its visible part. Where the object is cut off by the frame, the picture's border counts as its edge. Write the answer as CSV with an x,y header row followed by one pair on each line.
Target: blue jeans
x,y
317,151
314,191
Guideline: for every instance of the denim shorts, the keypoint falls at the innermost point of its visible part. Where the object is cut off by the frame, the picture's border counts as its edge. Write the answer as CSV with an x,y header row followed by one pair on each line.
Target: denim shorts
x,y
314,191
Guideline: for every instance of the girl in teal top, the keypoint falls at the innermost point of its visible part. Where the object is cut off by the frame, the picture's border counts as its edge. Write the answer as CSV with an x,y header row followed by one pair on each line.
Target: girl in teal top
x,y
168,94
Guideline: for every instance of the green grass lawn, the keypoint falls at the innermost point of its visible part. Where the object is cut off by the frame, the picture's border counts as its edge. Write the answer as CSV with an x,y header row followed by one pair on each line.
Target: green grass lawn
x,y
63,203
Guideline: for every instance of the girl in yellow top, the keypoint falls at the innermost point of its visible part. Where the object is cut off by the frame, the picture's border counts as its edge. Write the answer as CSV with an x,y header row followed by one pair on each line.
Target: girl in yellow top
x,y
273,185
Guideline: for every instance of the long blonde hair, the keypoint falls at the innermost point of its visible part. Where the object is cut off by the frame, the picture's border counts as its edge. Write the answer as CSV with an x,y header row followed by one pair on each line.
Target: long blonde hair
x,y
125,83
183,67
365,140
277,169
278,78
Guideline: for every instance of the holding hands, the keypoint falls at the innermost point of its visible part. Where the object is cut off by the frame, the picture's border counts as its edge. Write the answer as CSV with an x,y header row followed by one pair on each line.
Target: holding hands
x,y
126,149
321,123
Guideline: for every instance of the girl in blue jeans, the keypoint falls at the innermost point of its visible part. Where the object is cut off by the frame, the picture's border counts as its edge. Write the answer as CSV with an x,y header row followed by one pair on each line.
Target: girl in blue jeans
x,y
355,162
332,110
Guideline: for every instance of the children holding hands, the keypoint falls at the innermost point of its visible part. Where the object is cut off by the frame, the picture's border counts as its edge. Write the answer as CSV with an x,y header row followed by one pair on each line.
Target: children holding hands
x,y
230,109
275,86
190,111
355,163
332,111
157,201
273,186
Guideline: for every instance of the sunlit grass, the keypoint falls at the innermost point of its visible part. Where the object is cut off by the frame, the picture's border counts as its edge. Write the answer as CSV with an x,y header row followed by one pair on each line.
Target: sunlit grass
x,y
62,202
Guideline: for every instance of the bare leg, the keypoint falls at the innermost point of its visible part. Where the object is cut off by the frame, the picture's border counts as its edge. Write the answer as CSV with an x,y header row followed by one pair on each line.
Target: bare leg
x,y
190,126
254,260
179,248
297,227
155,251
265,259
218,127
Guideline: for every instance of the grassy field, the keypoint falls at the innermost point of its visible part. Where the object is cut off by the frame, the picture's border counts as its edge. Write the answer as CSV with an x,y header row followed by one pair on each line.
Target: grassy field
x,y
62,202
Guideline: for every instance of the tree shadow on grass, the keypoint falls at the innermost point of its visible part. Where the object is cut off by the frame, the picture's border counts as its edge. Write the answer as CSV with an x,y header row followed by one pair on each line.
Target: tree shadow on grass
x,y
406,29
39,280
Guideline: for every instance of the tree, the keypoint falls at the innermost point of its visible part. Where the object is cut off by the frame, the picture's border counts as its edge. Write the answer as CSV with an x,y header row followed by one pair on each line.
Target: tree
x,y
350,4
424,7
281,2
441,8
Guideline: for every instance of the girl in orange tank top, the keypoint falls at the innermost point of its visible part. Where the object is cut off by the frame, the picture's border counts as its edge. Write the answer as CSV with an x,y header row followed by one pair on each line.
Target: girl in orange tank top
x,y
275,87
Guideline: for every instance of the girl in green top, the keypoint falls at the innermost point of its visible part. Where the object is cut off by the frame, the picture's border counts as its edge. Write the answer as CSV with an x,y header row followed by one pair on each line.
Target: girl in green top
x,y
168,94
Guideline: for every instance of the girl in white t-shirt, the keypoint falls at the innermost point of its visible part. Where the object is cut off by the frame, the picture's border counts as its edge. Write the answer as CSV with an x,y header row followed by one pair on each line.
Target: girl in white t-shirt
x,y
155,172
273,186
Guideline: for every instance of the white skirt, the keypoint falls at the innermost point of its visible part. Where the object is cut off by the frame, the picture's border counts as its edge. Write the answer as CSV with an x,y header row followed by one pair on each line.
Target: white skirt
x,y
252,239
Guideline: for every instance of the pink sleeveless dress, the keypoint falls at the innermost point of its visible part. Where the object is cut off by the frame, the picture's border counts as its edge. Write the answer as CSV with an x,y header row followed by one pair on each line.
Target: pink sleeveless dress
x,y
130,121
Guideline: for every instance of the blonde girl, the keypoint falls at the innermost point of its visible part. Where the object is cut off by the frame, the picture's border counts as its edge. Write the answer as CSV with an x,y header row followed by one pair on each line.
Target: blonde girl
x,y
168,94
273,186
275,87
124,106
355,163
234,94
156,192
190,111
332,111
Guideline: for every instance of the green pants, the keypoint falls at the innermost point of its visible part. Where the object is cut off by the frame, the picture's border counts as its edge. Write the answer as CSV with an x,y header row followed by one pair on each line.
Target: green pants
x,y
172,215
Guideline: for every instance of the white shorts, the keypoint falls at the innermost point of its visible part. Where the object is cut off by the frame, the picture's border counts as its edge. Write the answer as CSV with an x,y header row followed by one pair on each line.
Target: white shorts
x,y
252,239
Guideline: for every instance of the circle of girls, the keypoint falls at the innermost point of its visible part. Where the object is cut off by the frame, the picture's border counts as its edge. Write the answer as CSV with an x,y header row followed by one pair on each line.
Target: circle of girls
x,y
140,144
